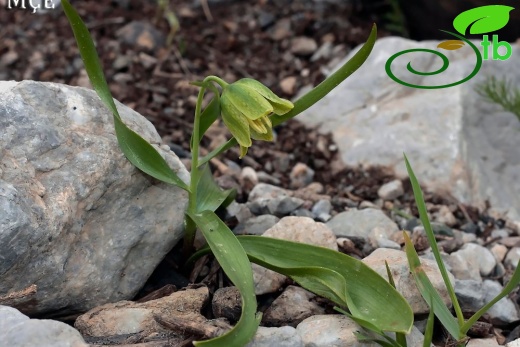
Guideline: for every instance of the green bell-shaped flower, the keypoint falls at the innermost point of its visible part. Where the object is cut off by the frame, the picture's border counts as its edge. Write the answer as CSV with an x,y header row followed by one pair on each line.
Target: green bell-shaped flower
x,y
246,106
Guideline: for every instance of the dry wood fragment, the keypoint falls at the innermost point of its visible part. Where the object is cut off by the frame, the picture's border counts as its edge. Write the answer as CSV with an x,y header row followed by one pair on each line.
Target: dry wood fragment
x,y
191,327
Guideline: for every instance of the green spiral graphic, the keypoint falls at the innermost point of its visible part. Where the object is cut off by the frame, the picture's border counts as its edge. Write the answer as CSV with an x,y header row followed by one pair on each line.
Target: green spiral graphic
x,y
445,65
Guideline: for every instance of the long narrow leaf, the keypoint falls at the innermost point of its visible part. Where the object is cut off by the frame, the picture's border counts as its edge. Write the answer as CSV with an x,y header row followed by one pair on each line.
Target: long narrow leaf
x,y
428,291
138,151
511,285
400,338
233,260
428,333
423,214
369,296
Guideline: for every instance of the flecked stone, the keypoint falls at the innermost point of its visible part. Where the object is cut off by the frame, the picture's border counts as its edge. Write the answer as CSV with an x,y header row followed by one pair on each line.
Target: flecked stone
x,y
391,190
266,281
279,337
256,225
291,307
17,330
77,219
504,311
328,331
472,137
283,206
301,175
499,251
304,230
512,257
361,222
480,256
303,45
322,206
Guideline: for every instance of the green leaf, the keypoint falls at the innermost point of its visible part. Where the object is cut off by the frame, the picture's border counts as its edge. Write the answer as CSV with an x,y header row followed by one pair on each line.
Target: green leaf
x,y
372,328
368,297
363,338
483,19
138,151
399,337
511,285
209,195
423,214
428,333
428,291
233,260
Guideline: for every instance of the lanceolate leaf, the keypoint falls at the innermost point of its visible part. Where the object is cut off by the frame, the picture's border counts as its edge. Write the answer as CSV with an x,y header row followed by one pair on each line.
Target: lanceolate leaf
x,y
428,291
369,296
233,260
138,151
209,195
483,19
423,214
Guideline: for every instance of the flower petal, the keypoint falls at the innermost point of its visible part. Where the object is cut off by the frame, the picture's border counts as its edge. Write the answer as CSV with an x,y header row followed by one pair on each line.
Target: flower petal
x,y
267,136
243,152
235,122
280,106
249,102
257,125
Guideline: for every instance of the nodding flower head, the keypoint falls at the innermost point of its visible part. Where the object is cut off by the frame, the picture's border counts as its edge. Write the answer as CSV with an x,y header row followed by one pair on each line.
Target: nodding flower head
x,y
246,107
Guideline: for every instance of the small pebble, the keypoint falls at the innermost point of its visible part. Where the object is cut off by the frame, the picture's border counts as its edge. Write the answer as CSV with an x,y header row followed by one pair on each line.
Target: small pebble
x,y
301,175
391,190
288,85
512,257
322,206
303,45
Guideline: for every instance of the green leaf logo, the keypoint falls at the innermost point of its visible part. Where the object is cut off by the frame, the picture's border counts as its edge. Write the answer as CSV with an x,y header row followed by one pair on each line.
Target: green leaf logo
x,y
451,45
483,19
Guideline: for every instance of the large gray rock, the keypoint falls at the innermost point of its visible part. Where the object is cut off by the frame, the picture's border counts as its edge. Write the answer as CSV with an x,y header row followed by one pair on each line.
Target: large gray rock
x,y
455,141
17,330
77,219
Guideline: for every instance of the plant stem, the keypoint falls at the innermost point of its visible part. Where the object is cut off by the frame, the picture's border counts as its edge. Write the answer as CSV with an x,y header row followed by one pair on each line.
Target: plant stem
x,y
217,80
190,226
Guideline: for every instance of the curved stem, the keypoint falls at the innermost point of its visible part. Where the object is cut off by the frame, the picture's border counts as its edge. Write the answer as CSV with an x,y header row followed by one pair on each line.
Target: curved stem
x,y
217,80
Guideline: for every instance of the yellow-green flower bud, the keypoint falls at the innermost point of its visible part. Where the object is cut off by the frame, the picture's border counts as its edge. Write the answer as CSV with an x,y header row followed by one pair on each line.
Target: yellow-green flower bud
x,y
246,106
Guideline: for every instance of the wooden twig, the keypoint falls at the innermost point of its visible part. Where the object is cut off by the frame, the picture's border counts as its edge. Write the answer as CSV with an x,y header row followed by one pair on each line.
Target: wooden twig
x,y
103,22
189,326
159,293
207,12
